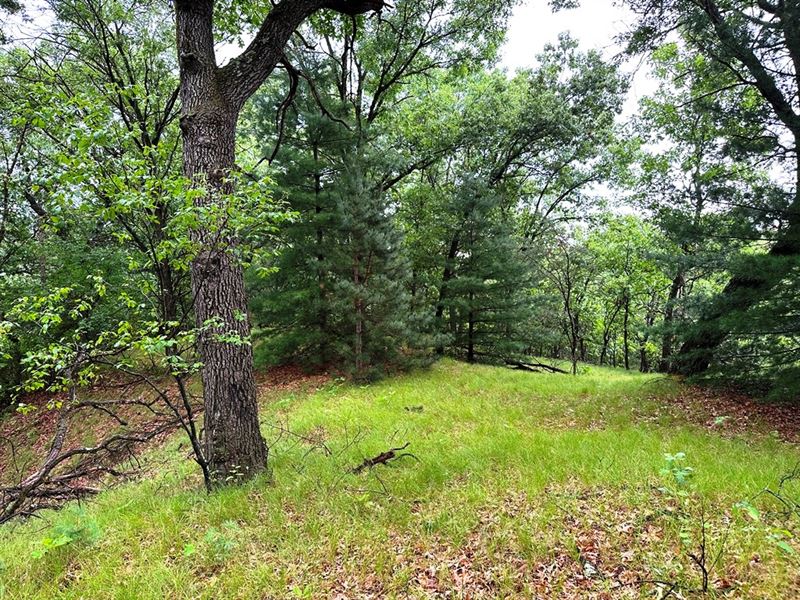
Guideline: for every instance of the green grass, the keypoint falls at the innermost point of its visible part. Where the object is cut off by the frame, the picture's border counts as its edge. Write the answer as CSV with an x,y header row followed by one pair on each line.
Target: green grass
x,y
517,481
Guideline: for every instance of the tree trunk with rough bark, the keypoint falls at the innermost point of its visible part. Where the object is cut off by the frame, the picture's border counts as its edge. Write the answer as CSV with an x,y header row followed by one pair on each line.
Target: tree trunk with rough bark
x,y
234,447
322,312
212,98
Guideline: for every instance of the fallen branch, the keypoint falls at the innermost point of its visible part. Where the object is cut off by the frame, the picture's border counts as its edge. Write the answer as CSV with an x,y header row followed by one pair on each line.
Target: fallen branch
x,y
534,367
522,366
384,458
49,487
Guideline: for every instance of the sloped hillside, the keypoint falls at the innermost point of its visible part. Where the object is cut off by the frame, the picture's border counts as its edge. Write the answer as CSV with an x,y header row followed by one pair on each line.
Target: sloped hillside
x,y
503,484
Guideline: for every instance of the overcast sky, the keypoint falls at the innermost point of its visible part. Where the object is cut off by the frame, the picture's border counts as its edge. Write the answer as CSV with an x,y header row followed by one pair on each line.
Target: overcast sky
x,y
595,24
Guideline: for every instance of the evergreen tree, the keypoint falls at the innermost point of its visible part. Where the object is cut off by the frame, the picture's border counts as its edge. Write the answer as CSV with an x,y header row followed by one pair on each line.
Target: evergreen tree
x,y
340,292
487,298
370,303
343,269
292,306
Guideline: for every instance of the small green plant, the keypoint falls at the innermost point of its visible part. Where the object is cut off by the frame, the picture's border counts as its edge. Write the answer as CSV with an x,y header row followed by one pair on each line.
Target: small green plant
x,y
80,528
677,471
749,509
221,541
781,538
697,534
778,536
302,592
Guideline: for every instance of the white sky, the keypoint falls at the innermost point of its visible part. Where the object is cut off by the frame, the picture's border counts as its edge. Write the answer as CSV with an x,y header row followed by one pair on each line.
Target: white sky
x,y
595,25
533,25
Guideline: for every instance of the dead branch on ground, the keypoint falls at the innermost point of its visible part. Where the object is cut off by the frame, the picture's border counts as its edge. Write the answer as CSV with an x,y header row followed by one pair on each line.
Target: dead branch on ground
x,y
65,473
533,367
384,458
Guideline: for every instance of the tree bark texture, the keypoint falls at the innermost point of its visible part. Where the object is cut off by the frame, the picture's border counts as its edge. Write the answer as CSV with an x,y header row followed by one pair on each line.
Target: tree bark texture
x,y
234,448
212,98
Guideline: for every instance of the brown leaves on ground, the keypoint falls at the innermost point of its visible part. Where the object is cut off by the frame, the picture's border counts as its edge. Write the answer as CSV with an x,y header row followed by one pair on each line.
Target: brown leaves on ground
x,y
571,542
25,439
733,413
290,378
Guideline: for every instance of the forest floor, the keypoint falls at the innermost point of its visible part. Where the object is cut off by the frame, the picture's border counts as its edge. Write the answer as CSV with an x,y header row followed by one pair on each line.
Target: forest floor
x,y
517,485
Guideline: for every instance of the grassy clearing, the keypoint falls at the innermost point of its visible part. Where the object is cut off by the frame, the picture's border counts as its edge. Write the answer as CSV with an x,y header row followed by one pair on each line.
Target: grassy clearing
x,y
526,485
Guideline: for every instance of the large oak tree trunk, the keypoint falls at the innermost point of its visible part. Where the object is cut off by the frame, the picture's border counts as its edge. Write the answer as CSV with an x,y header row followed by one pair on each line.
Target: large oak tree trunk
x,y
212,98
234,448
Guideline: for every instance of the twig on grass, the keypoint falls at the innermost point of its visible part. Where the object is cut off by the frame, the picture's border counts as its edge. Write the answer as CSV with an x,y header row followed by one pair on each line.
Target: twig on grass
x,y
384,458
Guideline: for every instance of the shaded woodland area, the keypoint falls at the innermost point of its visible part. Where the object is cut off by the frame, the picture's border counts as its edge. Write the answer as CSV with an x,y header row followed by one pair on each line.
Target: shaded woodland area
x,y
192,192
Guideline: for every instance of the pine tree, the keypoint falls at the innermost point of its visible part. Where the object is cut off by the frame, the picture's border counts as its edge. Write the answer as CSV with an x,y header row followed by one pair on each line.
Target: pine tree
x,y
487,298
370,280
340,295
292,304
